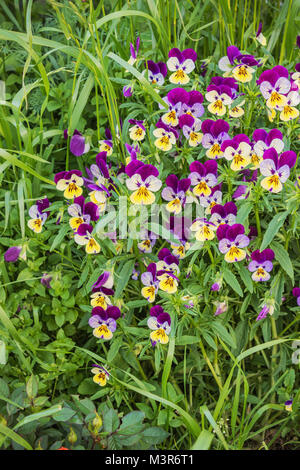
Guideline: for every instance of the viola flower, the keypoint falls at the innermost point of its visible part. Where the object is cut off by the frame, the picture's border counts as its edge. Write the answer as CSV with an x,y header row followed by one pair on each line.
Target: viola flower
x,y
219,97
205,230
12,254
175,192
296,75
231,241
216,286
267,308
134,51
203,177
70,182
45,280
194,106
214,198
78,146
148,241
165,136
101,289
138,131
98,181
237,150
179,227
175,100
221,307
82,212
106,146
38,216
181,64
288,111
289,405
150,282
261,264
127,91
223,214
214,134
276,169
296,293
167,271
101,376
104,322
83,237
237,111
264,140
190,128
240,66
156,72
160,322
143,180
274,85
260,37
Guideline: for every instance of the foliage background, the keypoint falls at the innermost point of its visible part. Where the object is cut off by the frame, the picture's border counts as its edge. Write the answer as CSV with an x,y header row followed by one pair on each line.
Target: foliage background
x,y
61,63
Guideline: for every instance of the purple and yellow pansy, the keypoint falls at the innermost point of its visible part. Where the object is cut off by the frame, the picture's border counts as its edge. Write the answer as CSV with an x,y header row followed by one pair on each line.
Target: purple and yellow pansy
x,y
175,100
237,150
205,229
104,322
82,212
101,375
190,128
166,136
232,240
78,145
102,289
181,63
203,177
137,131
150,281
37,215
143,180
175,193
276,169
214,134
240,66
70,182
160,322
157,72
274,85
225,214
83,236
261,264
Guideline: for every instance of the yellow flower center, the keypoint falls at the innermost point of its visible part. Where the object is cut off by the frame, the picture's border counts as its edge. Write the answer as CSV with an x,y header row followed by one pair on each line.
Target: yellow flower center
x,y
274,180
179,74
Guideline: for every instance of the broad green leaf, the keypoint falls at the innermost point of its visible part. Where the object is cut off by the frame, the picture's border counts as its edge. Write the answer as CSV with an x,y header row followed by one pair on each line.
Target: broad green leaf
x,y
232,281
282,256
124,276
273,228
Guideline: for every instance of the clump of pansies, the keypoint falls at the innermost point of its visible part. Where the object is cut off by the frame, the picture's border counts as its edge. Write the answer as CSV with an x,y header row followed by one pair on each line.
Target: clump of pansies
x,y
200,128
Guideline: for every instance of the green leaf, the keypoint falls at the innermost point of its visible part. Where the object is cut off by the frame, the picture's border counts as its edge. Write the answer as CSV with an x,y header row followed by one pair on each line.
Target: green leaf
x,y
64,414
53,411
124,277
111,421
32,387
273,228
223,333
246,278
203,441
114,349
154,435
282,256
185,339
232,281
60,236
7,432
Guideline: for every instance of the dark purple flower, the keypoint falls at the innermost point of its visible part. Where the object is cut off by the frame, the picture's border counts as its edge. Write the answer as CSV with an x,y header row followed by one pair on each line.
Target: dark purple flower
x,y
150,282
231,241
156,72
46,279
263,313
181,64
175,193
261,264
225,214
194,105
175,100
12,254
298,41
127,91
265,140
214,134
203,177
77,143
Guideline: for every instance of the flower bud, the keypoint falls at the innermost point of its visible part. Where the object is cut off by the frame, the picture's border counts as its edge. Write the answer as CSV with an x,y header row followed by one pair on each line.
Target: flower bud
x,y
72,437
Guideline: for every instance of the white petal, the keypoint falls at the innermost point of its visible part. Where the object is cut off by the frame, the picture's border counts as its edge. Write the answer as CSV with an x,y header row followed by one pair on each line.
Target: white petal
x,y
267,167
